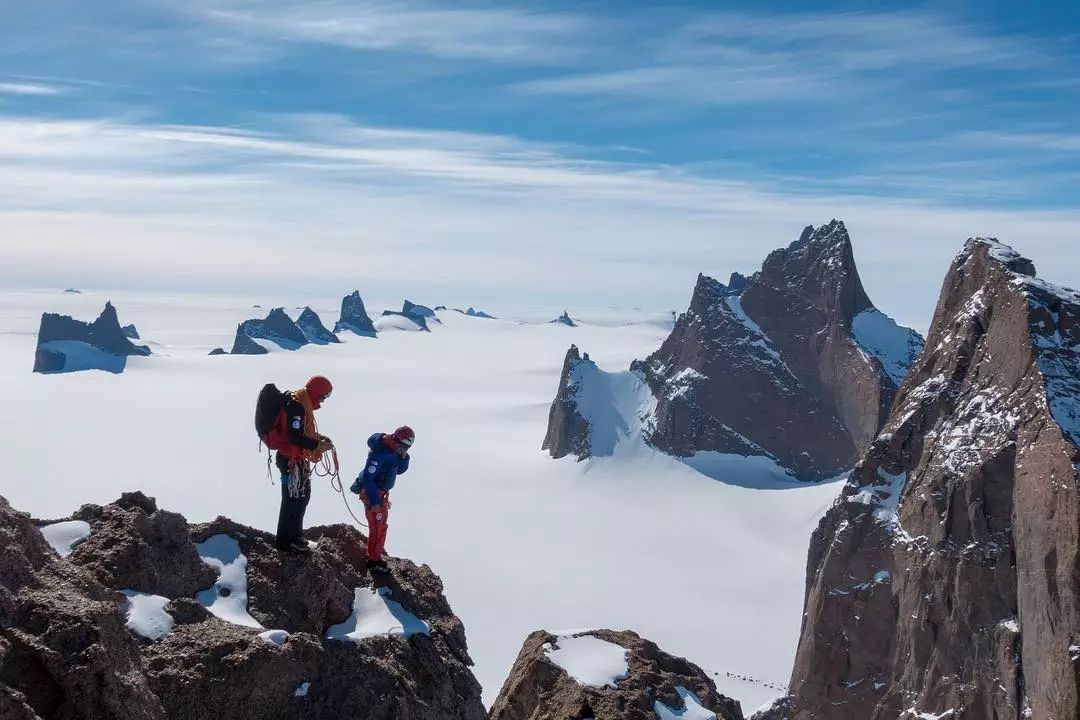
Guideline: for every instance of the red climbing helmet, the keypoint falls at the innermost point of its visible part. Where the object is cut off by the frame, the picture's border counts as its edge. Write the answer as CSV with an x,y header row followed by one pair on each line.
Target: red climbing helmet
x,y
319,388
404,435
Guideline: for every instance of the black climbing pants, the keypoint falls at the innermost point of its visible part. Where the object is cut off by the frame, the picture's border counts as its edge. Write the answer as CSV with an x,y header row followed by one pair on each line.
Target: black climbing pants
x,y
295,494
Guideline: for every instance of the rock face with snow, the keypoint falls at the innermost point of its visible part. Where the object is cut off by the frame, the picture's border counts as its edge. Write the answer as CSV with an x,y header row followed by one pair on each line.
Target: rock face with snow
x,y
943,582
354,317
67,345
150,617
131,332
564,319
390,320
64,650
606,675
568,429
277,327
411,308
793,363
313,329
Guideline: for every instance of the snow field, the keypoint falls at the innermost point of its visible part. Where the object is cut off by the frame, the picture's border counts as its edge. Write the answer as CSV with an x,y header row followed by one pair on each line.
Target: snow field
x,y
710,570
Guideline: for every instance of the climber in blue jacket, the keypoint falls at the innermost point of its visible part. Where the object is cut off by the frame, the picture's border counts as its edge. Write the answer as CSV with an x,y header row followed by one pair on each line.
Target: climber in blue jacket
x,y
387,458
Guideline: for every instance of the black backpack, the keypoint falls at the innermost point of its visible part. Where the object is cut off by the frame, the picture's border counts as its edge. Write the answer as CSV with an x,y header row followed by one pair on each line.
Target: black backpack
x,y
270,415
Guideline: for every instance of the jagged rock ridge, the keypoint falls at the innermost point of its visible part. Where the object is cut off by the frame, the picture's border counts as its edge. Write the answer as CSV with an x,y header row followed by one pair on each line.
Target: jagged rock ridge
x,y
945,581
771,364
277,327
68,345
313,329
67,649
645,683
131,332
354,317
594,410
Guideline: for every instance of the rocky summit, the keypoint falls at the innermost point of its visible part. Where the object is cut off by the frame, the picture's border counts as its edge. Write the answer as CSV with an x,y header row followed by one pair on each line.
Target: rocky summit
x,y
68,345
568,429
944,582
311,325
606,675
150,617
354,317
793,363
277,327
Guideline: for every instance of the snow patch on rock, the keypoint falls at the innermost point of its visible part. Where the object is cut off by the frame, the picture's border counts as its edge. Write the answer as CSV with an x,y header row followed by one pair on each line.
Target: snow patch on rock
x,y
590,660
617,406
894,346
146,615
692,708
227,599
374,613
275,637
64,536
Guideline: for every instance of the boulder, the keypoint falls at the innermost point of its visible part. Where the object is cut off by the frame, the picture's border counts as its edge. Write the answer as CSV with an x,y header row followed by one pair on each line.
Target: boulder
x,y
354,317
606,675
68,345
313,329
943,582
151,617
793,363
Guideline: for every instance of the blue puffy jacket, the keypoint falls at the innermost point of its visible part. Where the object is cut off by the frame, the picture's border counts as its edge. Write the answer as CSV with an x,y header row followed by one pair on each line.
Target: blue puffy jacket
x,y
380,471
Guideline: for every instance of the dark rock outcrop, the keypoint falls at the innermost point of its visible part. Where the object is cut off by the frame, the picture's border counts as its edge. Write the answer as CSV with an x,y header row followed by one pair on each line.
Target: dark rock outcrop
x,y
277,327
539,689
218,351
473,312
419,320
313,329
777,365
73,291
945,581
66,649
244,344
131,332
68,345
411,308
354,317
564,319
568,429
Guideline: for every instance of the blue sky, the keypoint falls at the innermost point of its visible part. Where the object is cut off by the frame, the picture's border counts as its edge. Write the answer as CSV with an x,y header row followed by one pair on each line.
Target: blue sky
x,y
605,151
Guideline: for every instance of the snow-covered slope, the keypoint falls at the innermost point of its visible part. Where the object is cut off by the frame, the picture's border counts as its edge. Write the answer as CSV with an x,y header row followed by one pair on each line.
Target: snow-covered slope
x,y
709,570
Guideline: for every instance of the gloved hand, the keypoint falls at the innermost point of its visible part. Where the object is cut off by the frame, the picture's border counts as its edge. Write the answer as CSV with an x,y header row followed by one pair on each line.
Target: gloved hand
x,y
325,444
356,487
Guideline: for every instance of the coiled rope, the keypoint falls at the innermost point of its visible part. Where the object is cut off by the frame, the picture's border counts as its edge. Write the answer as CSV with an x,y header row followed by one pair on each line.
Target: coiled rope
x,y
328,466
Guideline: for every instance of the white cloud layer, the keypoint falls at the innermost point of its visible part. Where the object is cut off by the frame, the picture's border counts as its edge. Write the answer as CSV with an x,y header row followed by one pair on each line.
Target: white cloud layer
x,y
484,218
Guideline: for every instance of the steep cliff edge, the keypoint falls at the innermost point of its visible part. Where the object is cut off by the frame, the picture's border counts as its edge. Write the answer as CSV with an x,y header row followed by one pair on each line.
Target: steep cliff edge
x,y
945,581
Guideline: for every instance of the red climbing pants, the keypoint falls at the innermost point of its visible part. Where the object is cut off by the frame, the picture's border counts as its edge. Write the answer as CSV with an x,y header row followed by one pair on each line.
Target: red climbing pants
x,y
376,520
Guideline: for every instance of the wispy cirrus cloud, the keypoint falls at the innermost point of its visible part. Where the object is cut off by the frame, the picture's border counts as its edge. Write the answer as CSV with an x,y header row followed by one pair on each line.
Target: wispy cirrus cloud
x,y
496,33
27,88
